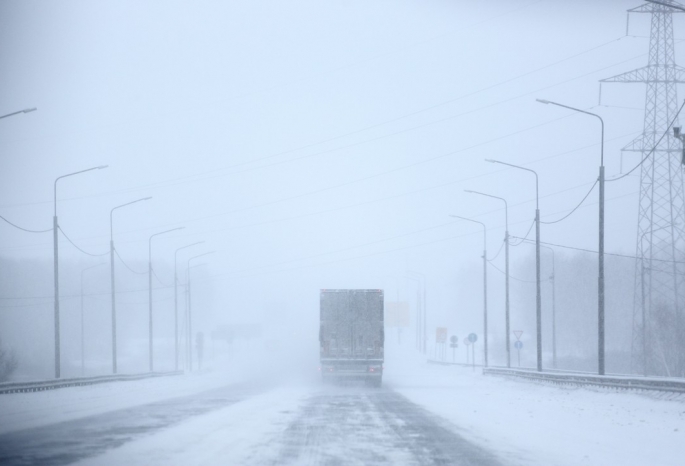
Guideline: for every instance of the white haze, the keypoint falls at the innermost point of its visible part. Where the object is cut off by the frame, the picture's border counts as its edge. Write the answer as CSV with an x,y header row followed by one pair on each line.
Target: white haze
x,y
311,145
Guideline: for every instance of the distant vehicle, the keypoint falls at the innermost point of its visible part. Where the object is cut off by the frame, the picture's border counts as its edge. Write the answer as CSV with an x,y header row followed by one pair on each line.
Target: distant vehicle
x,y
351,335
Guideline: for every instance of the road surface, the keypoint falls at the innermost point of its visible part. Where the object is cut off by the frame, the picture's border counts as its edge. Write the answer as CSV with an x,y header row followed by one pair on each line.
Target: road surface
x,y
313,425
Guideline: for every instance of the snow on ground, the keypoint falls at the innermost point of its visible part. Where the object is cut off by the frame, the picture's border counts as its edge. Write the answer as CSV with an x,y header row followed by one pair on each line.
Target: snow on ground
x,y
244,433
520,422
530,423
25,410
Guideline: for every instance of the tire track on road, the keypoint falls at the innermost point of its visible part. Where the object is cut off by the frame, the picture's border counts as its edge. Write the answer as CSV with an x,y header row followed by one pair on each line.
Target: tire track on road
x,y
353,425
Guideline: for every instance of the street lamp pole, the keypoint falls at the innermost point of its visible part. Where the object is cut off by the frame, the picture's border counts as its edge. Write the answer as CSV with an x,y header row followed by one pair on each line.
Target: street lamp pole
x,y
176,301
83,359
600,279
55,242
149,274
538,297
111,263
189,343
506,267
26,110
485,285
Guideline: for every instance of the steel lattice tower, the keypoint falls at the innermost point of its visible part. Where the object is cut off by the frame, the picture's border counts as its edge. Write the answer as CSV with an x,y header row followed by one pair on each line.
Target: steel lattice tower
x,y
659,284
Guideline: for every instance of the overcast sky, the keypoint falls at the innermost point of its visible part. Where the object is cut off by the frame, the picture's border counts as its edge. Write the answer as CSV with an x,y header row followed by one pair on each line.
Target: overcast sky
x,y
315,144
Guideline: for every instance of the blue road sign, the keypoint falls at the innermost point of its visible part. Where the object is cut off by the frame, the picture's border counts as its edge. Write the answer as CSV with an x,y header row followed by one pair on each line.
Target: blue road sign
x,y
454,339
473,337
518,344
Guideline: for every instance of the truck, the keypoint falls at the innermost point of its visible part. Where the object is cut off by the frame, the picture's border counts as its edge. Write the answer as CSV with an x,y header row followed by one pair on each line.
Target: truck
x,y
351,336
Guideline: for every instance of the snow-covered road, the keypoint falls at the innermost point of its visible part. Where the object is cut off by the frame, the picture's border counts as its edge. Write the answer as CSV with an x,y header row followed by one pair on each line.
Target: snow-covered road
x,y
424,414
250,424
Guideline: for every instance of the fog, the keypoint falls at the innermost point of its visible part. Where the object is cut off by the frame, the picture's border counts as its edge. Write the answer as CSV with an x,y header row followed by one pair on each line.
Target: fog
x,y
313,145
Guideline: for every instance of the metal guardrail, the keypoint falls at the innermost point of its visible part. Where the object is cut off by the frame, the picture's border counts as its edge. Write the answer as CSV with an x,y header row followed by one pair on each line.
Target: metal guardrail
x,y
447,363
21,387
610,381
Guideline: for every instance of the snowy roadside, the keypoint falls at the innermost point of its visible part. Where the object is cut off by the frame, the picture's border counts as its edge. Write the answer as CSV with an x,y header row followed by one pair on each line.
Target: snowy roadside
x,y
243,433
528,423
26,410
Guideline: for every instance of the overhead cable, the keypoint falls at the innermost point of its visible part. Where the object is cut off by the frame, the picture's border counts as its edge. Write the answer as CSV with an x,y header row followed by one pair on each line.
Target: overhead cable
x,y
526,235
213,173
575,208
498,252
25,229
514,278
605,253
74,244
653,148
126,265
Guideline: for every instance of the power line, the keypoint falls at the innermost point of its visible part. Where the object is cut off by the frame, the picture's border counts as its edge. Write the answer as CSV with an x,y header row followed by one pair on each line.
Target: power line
x,y
605,253
653,148
74,296
160,281
575,208
213,173
385,136
74,244
50,303
512,277
408,193
126,265
526,236
25,229
498,252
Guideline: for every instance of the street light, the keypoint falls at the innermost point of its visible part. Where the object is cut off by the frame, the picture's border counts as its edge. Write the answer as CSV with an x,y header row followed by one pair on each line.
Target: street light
x,y
538,297
600,280
55,227
149,273
82,326
425,309
176,300
111,261
506,266
189,346
485,284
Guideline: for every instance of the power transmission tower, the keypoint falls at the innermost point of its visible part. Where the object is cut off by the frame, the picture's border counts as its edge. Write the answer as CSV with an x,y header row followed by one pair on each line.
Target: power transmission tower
x,y
657,327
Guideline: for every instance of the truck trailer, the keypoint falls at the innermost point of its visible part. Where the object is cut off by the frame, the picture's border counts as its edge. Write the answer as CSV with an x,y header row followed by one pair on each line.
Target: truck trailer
x,y
351,335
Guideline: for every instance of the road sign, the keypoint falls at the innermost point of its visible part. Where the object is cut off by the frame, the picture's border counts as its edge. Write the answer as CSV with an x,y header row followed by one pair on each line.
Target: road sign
x,y
473,337
454,345
440,335
517,334
467,341
454,339
518,344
